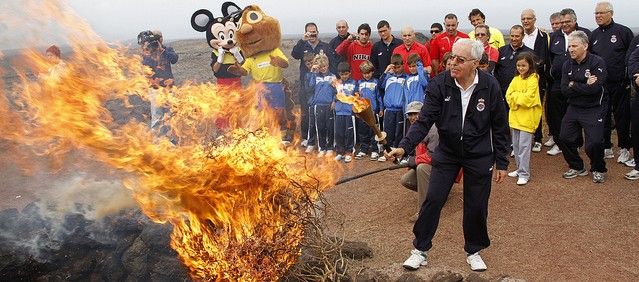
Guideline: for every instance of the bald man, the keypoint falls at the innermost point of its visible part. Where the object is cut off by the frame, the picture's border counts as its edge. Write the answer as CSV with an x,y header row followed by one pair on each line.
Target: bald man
x,y
411,46
537,40
342,33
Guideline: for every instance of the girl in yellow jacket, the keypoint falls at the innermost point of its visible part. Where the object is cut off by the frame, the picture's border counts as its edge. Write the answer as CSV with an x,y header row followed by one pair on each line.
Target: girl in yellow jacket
x,y
523,99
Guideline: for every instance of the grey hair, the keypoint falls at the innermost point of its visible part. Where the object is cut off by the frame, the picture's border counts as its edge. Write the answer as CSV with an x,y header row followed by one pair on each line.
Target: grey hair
x,y
607,4
529,11
555,15
569,11
578,35
476,47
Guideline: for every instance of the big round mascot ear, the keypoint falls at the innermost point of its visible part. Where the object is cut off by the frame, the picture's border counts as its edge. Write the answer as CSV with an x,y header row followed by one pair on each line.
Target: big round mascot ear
x,y
230,9
200,20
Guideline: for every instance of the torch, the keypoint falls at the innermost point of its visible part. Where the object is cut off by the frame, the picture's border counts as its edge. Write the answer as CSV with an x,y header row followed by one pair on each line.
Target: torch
x,y
362,109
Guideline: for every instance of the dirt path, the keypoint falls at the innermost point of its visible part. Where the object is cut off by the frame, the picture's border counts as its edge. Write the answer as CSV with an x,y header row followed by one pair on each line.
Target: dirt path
x,y
551,229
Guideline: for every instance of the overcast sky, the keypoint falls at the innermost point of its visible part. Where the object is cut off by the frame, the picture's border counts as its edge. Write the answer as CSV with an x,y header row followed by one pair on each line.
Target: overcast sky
x,y
117,20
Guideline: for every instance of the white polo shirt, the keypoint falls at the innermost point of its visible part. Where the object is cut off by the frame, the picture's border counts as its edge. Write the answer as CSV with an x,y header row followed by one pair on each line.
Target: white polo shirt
x,y
465,95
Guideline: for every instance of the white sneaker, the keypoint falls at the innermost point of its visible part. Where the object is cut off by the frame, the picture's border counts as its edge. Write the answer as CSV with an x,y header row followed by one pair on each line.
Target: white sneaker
x,y
417,258
522,181
630,163
475,262
513,173
550,142
309,149
609,154
404,161
624,156
360,155
512,154
537,147
381,159
374,156
632,175
339,157
554,150
304,143
321,154
329,153
348,159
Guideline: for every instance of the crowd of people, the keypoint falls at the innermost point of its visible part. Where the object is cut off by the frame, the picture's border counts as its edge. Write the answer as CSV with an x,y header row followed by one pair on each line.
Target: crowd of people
x,y
460,103
393,88
457,105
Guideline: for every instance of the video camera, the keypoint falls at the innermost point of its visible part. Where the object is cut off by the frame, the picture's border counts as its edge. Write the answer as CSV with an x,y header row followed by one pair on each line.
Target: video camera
x,y
152,40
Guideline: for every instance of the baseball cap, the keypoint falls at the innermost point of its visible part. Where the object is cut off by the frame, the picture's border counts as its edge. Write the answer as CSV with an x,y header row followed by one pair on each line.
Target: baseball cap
x,y
414,107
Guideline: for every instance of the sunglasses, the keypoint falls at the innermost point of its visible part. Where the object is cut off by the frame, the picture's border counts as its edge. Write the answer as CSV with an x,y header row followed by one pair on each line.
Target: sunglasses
x,y
460,59
433,31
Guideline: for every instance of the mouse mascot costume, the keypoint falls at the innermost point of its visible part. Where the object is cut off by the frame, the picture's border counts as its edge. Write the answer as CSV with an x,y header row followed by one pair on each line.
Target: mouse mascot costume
x,y
259,38
221,36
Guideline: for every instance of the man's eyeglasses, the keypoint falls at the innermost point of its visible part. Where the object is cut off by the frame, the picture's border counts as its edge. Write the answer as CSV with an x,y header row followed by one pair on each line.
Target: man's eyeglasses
x,y
433,31
460,59
602,12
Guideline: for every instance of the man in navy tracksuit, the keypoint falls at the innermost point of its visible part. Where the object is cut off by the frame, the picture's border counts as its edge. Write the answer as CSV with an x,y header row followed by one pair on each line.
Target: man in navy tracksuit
x,y
633,73
582,80
309,43
469,110
610,41
556,102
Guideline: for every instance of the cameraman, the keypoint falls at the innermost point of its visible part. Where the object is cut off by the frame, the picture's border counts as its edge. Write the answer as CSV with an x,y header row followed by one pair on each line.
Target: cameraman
x,y
158,57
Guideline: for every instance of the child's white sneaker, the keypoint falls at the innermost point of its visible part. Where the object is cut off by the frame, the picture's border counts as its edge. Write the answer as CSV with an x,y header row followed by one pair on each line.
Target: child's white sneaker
x,y
348,159
309,149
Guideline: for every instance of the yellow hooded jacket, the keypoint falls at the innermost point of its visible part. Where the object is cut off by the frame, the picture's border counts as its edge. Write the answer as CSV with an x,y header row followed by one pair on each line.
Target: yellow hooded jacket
x,y
523,99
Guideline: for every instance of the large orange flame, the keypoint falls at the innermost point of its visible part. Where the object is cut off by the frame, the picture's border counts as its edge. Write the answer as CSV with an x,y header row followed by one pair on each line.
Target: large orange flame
x,y
236,202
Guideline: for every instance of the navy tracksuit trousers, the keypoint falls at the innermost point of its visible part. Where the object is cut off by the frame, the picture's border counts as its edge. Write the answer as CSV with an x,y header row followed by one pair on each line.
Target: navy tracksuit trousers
x,y
394,126
477,185
591,121
366,136
324,126
344,134
619,104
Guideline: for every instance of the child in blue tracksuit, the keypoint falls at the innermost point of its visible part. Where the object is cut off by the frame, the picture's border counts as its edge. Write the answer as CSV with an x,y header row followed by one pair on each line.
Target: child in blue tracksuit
x,y
321,80
368,88
393,106
416,81
311,137
415,87
344,120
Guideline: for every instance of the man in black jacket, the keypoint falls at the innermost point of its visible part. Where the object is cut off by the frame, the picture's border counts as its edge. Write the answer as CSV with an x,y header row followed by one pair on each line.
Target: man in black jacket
x,y
469,110
633,73
582,80
310,42
505,69
556,102
342,33
611,41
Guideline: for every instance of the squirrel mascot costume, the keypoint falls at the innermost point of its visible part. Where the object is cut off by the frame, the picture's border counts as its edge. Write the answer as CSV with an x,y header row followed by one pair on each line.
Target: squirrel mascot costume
x,y
259,39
